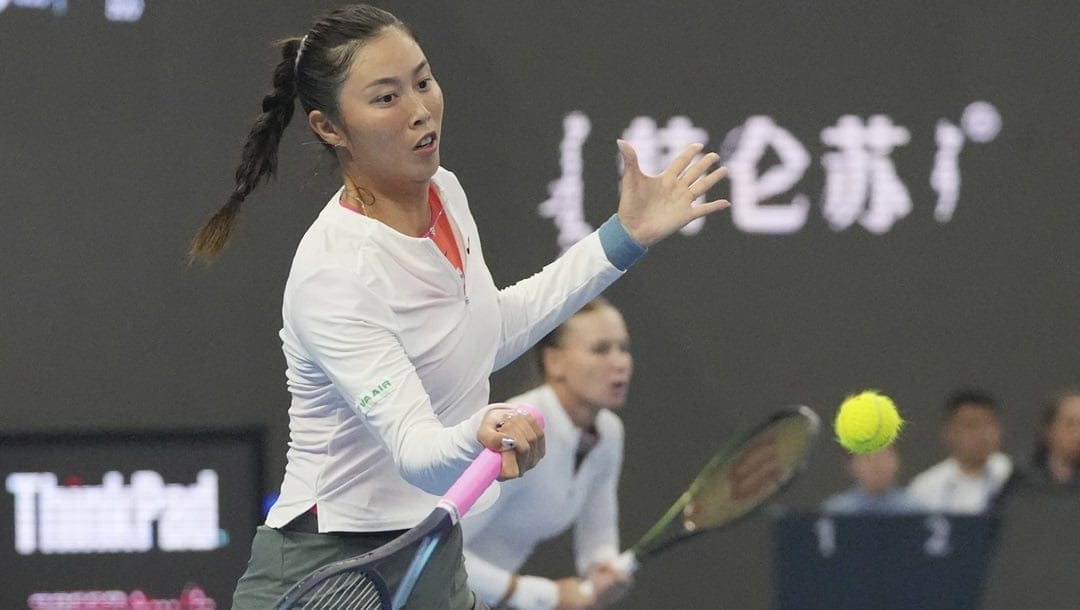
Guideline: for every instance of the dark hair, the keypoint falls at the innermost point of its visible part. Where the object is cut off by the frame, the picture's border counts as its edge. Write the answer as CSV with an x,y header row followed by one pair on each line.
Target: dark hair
x,y
968,396
554,338
1050,411
312,69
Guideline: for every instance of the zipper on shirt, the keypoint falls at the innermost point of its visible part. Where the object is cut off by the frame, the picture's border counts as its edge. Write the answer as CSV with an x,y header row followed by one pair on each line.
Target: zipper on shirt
x,y
460,273
464,264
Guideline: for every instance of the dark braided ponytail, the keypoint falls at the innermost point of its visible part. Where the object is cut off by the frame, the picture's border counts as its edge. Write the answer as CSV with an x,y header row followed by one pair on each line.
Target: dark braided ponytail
x,y
259,157
325,55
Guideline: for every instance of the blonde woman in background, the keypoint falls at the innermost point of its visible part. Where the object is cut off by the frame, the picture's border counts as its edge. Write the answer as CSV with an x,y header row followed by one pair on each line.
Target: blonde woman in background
x,y
586,368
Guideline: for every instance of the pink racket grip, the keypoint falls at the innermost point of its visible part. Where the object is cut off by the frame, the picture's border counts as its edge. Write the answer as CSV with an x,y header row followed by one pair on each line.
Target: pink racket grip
x,y
482,472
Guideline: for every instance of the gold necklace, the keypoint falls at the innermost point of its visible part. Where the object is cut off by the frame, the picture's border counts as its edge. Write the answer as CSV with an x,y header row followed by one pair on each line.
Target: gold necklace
x,y
358,199
434,223
431,229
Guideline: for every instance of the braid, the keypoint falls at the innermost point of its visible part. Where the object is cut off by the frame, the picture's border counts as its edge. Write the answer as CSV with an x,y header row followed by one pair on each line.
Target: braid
x,y
259,157
312,70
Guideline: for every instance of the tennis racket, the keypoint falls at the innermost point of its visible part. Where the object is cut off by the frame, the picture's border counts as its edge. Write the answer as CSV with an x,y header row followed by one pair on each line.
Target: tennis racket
x,y
737,481
356,584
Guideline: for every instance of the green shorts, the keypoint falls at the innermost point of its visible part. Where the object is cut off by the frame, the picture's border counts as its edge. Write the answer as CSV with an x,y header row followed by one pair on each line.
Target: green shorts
x,y
280,558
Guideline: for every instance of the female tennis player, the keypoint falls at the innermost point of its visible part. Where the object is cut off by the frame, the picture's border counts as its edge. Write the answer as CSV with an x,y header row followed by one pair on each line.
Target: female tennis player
x,y
586,367
391,321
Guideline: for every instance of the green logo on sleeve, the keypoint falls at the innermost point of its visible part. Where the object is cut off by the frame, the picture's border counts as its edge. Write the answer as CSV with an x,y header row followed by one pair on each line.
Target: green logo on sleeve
x,y
369,399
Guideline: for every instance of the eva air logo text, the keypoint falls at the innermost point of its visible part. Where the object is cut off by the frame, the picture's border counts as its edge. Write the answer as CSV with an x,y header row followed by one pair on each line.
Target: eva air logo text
x,y
369,399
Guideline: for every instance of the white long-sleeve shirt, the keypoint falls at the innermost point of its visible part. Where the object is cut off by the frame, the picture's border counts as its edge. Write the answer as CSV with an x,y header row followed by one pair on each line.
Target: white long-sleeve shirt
x,y
388,351
547,501
945,488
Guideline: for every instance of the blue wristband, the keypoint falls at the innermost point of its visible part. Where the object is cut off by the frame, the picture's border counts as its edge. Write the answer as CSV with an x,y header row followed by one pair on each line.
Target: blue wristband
x,y
619,246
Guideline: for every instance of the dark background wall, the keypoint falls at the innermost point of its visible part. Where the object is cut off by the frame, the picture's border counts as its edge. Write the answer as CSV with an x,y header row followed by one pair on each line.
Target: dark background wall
x,y
118,139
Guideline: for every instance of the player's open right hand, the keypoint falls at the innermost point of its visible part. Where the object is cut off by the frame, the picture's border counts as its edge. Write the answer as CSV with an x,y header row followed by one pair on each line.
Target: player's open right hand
x,y
514,433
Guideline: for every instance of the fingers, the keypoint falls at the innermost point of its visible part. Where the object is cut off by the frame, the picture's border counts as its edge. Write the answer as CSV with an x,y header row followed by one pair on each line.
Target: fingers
x,y
534,446
680,164
606,572
693,177
522,428
698,169
574,593
523,443
510,468
700,186
705,209
608,583
630,160
603,568
653,207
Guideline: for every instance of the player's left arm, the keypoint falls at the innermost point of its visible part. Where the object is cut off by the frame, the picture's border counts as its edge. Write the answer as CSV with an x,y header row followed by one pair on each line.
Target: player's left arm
x,y
534,306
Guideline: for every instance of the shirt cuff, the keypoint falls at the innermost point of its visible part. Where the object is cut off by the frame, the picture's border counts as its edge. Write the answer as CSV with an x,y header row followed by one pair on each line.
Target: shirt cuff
x,y
619,246
534,593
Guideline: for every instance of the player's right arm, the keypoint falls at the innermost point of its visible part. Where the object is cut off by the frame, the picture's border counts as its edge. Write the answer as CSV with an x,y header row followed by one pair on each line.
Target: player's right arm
x,y
367,365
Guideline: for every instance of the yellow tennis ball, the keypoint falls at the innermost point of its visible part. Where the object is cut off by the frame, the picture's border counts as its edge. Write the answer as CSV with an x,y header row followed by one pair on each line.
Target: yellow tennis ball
x,y
867,422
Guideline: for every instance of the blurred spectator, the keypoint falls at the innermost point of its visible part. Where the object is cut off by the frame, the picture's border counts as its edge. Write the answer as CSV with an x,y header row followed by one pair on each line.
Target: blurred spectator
x,y
972,478
875,491
1057,449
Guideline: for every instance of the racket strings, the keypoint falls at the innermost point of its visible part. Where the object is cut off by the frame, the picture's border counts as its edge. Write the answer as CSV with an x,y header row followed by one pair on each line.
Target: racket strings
x,y
346,591
738,479
735,486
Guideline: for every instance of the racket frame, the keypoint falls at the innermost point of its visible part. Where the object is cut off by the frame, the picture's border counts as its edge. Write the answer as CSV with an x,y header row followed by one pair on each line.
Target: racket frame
x,y
461,496
654,541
